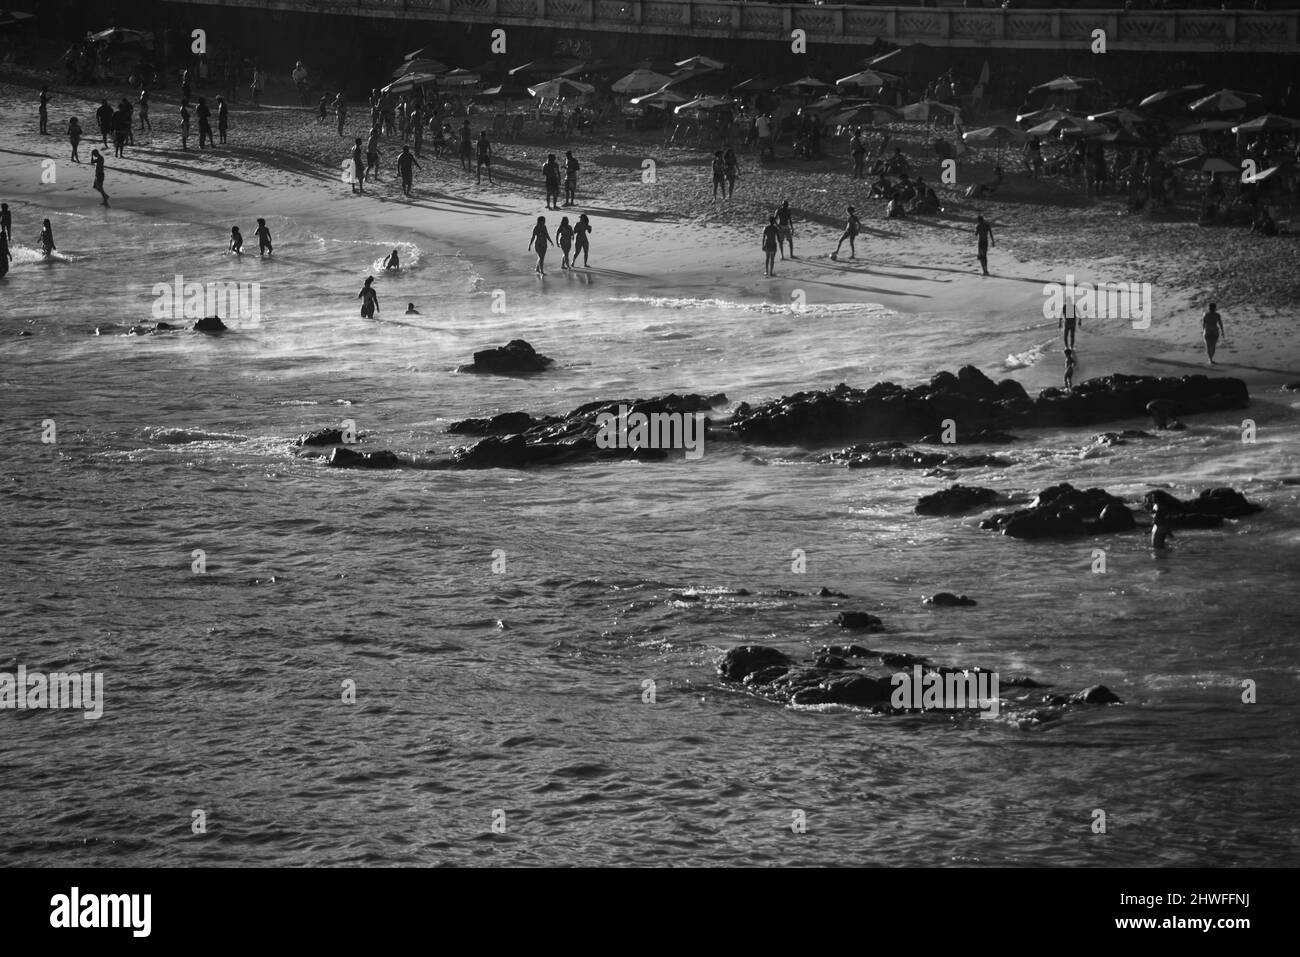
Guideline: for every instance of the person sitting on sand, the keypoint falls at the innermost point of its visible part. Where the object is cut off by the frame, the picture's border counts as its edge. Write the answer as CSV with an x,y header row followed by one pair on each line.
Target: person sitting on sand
x,y
852,226
1211,328
391,262
905,191
882,188
897,164
1264,224
895,209
411,310
236,241
369,298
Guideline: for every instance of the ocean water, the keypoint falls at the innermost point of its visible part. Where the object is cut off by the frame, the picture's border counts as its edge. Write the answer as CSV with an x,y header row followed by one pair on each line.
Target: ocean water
x,y
521,691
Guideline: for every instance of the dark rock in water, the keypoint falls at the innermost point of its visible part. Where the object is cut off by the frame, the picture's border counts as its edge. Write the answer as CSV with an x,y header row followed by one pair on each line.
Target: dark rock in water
x,y
25,332
506,423
210,324
955,500
826,660
742,661
328,436
168,327
855,689
1223,502
345,458
1097,694
898,455
827,593
890,411
899,660
513,358
1291,387
982,437
1120,438
847,651
859,621
947,599
1062,511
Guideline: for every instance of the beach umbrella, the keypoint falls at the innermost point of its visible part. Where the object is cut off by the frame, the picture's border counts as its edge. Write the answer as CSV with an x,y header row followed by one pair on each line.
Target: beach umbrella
x,y
1267,174
1269,122
1122,117
659,98
656,64
1066,83
697,80
1126,139
548,66
639,81
489,67
995,136
866,113
593,66
704,104
120,35
808,85
1040,116
420,66
1204,126
1082,127
1205,163
411,81
698,62
1174,98
756,84
1225,101
825,103
458,78
925,110
867,79
1064,124
559,88
10,17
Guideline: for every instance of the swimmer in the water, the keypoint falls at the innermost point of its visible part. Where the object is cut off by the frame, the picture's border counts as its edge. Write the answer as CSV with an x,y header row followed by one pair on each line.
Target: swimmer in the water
x,y
46,242
263,238
390,261
541,238
1160,530
369,299
236,241
1162,414
411,310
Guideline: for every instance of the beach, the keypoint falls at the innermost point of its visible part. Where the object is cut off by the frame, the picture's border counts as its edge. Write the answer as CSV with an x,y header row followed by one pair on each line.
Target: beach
x,y
522,689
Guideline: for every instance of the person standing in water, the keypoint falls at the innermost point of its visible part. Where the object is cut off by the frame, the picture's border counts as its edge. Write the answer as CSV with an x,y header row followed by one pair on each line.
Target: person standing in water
x,y
771,240
785,227
570,178
1160,528
74,137
391,261
564,239
236,241
484,157
551,173
851,227
263,238
983,239
43,112
6,222
5,255
97,159
358,169
541,238
1068,321
1211,329
580,242
46,242
369,299
406,167
223,118
205,123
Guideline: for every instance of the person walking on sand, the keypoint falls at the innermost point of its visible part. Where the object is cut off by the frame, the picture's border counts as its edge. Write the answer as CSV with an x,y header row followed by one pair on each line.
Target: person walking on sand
x,y
372,153
205,123
580,242
541,239
551,174
104,118
43,111
263,238
785,227
852,226
484,157
259,81
570,178
406,166
466,147
730,169
369,299
144,111
1068,321
1211,329
771,240
340,111
564,239
236,241
719,175
358,169
223,119
46,242
858,149
97,160
185,125
323,108
983,239
74,137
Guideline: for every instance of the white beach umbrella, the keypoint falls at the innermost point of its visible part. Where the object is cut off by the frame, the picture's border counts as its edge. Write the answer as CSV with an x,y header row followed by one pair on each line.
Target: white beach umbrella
x,y
1066,83
995,136
459,78
559,88
1269,122
1225,101
659,98
866,79
703,104
924,110
639,81
700,63
1205,126
409,82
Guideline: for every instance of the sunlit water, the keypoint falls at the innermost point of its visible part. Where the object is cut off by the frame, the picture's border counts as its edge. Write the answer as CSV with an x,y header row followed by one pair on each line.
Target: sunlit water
x,y
223,690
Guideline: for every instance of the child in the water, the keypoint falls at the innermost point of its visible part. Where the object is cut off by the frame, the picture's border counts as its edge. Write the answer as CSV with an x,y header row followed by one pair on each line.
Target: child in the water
x,y
263,238
47,238
236,241
411,310
391,261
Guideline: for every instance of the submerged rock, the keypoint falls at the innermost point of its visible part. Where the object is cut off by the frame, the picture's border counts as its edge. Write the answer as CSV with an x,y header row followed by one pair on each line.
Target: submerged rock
x,y
899,455
1062,511
210,324
859,621
955,499
515,357
946,599
1220,502
345,458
